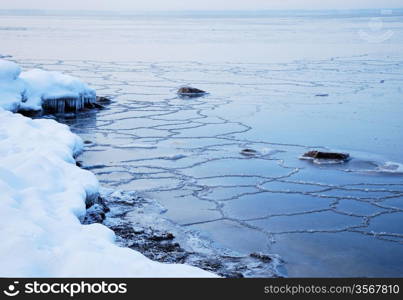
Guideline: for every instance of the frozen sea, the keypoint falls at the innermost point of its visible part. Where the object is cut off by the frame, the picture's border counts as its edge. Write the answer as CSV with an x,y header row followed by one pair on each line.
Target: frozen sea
x,y
280,83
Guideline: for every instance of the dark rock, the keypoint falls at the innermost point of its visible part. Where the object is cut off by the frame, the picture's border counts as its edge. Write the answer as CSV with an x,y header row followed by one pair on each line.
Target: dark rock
x,y
99,103
191,92
94,105
99,106
232,275
162,236
154,244
97,200
327,155
103,100
382,81
69,115
249,152
170,247
261,256
211,264
87,142
95,214
125,232
322,95
30,113
79,163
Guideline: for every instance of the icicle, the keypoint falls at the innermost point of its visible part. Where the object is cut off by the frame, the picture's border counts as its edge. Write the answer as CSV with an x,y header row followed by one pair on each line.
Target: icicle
x,y
69,104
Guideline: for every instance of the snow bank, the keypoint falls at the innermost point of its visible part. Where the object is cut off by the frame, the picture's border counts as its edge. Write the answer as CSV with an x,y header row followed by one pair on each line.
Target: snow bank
x,y
34,89
42,200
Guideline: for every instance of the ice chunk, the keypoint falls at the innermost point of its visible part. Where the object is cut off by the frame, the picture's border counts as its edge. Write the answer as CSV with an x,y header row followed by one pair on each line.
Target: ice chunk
x,y
56,92
37,89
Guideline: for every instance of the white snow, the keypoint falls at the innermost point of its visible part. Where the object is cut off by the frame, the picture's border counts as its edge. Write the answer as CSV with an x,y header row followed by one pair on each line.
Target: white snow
x,y
43,196
11,86
28,90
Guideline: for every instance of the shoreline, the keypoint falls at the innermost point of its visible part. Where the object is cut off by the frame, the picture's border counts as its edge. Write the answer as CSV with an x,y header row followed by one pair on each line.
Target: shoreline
x,y
138,224
44,192
79,248
155,239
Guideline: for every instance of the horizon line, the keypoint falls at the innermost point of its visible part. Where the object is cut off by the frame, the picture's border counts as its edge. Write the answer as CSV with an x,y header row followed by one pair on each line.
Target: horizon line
x,y
199,10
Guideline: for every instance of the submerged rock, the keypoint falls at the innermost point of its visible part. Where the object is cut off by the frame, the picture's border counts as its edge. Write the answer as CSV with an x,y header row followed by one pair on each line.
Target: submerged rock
x,y
188,91
342,157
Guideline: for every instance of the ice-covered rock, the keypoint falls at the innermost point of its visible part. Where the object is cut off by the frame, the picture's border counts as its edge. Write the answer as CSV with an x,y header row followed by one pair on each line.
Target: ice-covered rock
x,y
38,89
56,92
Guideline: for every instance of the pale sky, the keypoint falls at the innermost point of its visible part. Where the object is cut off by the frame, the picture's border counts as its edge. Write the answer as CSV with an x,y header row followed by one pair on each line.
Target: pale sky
x,y
160,5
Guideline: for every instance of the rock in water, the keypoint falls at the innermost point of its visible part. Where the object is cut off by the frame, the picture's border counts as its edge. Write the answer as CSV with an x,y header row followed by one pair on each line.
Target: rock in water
x,y
191,92
322,95
342,157
96,210
261,256
103,100
249,152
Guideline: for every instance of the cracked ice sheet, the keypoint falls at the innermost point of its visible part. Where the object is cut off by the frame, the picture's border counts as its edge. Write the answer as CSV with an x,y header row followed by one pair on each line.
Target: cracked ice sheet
x,y
275,193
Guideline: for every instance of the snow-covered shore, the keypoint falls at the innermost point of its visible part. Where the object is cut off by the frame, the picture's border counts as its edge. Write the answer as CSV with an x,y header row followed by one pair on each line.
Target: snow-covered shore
x,y
43,196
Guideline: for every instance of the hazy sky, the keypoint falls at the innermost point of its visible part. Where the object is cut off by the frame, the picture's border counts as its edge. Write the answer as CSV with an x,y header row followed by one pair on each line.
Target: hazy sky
x,y
196,4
